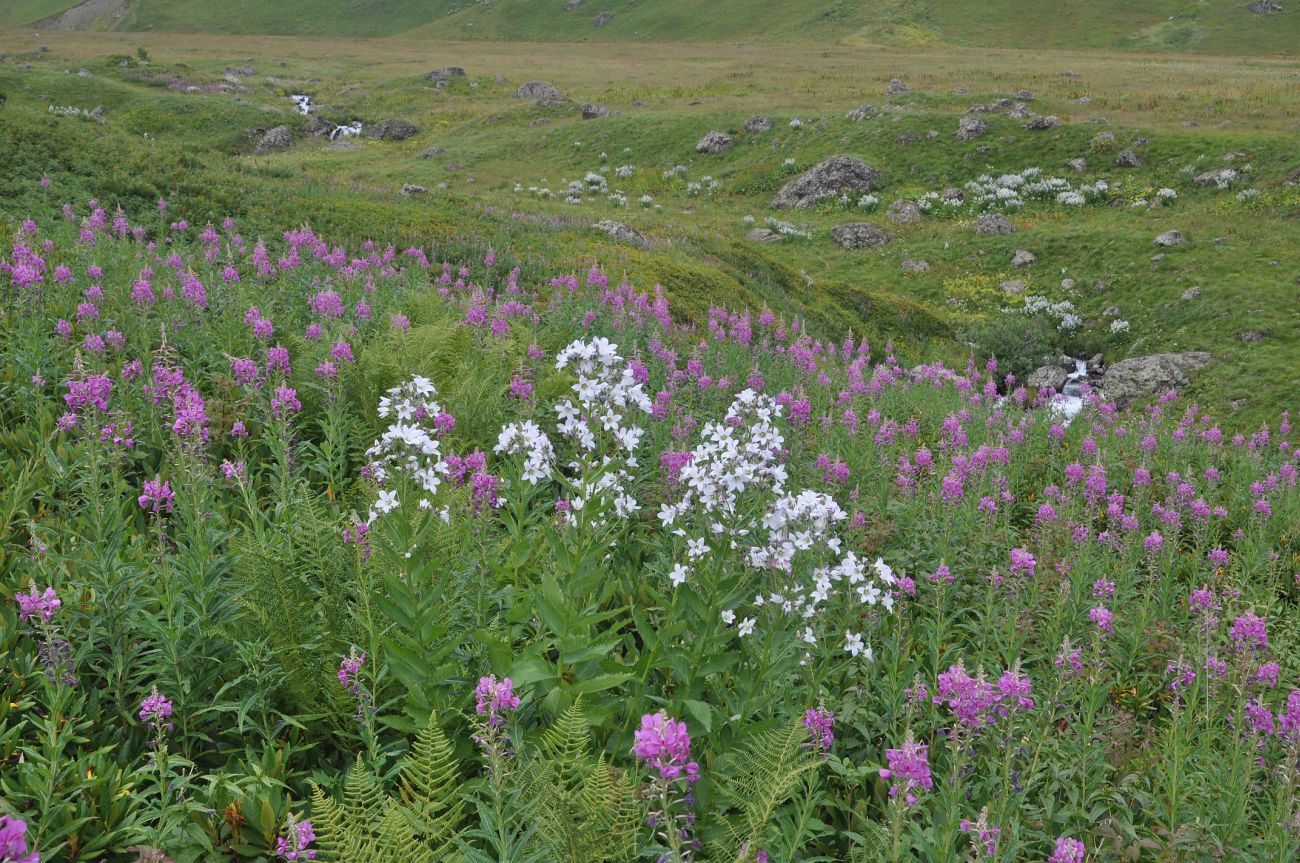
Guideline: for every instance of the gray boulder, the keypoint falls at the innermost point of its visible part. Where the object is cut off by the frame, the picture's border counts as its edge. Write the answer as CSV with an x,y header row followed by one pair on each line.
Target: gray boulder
x,y
445,73
1264,7
896,87
1191,293
1043,122
969,128
714,142
762,235
828,179
918,266
410,190
861,113
1170,238
591,111
1103,141
539,91
858,235
992,225
1142,377
602,19
1128,159
1013,287
1047,377
392,130
279,138
758,124
1220,178
1078,166
1023,258
623,233
1023,95
903,213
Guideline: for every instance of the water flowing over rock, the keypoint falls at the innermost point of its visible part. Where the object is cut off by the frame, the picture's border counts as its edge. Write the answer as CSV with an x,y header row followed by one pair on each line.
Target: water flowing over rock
x,y
858,235
830,178
714,142
1143,377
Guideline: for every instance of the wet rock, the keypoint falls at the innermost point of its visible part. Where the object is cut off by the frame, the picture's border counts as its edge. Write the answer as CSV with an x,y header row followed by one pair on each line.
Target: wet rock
x,y
1051,377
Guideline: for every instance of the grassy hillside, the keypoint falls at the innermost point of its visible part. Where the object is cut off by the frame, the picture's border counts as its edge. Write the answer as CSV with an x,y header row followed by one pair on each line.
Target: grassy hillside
x,y
1209,26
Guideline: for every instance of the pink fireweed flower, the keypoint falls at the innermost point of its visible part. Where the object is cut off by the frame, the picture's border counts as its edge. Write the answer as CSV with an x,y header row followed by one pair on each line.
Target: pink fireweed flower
x,y
1102,616
13,835
293,846
1067,851
663,745
820,725
1022,561
1249,633
156,711
285,402
40,605
908,770
157,496
494,699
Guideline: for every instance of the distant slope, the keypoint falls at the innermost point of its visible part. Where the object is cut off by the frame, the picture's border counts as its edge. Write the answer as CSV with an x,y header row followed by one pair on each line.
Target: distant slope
x,y
1209,26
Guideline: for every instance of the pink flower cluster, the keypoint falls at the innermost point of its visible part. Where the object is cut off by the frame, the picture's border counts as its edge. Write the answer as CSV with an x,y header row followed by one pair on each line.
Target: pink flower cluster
x,y
663,745
494,698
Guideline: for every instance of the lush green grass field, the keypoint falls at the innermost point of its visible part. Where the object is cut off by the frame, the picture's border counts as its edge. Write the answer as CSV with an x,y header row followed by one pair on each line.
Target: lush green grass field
x,y
665,98
1208,26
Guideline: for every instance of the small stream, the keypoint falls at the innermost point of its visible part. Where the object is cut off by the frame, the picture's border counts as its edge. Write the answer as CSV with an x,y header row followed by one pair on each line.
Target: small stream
x,y
305,107
1069,402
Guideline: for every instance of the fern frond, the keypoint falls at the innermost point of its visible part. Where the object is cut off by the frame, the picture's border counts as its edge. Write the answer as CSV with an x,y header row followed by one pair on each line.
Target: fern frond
x,y
761,778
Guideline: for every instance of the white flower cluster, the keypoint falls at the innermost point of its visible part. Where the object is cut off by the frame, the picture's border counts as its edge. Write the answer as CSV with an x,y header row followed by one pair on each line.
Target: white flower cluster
x,y
1247,194
1012,191
1063,312
624,171
408,446
736,455
797,523
528,440
1166,195
673,172
787,228
1118,326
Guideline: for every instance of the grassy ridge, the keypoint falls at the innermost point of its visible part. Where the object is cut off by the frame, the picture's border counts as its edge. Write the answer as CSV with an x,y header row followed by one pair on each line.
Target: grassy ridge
x,y
1204,26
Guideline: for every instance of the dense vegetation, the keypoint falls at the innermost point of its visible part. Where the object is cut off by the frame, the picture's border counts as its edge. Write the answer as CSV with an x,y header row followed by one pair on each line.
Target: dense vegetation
x,y
404,550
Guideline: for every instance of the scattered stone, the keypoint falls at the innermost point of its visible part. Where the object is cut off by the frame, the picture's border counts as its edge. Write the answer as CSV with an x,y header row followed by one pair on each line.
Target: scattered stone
x,y
1078,166
432,151
1220,178
446,72
1170,238
623,233
1023,258
1083,100
1103,141
826,179
591,111
571,5
714,142
539,91
762,235
1067,284
1042,122
970,128
1190,124
903,213
279,138
861,113
1251,336
918,266
992,225
1051,377
1264,7
896,87
858,235
243,71
1128,159
1111,312
952,193
1141,377
1219,241
1191,293
1020,111
638,103
1023,95
908,138
758,124
1099,286
602,19
391,130
410,190
1014,287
